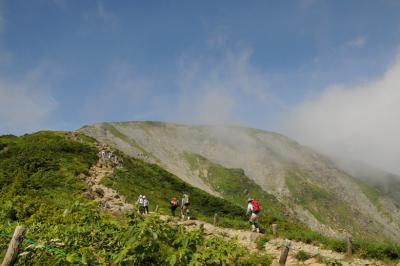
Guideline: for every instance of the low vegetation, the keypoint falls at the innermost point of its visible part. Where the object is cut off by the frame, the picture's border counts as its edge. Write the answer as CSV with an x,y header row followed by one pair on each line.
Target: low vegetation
x,y
302,255
324,205
137,177
40,188
236,187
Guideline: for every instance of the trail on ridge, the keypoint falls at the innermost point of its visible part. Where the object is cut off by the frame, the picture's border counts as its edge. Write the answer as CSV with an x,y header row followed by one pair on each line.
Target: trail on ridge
x,y
319,255
108,198
110,201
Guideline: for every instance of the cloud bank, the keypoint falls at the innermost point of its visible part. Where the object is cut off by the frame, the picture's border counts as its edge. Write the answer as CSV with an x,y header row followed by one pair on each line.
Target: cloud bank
x,y
360,123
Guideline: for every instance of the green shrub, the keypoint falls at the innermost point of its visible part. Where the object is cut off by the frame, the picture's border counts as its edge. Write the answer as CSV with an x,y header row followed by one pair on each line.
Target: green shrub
x,y
377,250
262,241
137,178
302,255
38,175
39,187
147,242
331,262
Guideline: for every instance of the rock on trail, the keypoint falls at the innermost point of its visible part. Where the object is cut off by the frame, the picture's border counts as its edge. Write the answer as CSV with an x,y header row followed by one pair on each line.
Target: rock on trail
x,y
108,198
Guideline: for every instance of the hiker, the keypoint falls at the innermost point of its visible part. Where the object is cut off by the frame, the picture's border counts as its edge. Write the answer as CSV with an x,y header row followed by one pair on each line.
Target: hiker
x,y
114,160
140,202
253,207
185,207
174,206
146,205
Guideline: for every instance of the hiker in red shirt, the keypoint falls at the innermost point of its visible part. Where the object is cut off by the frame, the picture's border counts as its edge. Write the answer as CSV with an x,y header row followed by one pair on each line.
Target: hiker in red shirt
x,y
253,207
174,205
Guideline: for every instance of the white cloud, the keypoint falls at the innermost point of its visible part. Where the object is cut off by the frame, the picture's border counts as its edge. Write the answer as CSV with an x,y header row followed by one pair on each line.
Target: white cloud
x,y
359,123
215,90
25,104
123,95
358,42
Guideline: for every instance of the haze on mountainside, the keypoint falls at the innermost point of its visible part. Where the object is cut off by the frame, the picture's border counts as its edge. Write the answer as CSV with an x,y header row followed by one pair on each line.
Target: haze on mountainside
x,y
359,123
333,85
309,185
294,103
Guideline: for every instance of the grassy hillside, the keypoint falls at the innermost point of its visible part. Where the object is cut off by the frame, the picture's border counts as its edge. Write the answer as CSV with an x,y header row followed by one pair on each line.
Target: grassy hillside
x,y
328,208
38,175
235,186
40,188
198,154
324,205
137,177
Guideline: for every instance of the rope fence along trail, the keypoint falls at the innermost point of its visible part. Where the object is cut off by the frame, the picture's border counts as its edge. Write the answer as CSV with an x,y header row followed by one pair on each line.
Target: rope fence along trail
x,y
43,247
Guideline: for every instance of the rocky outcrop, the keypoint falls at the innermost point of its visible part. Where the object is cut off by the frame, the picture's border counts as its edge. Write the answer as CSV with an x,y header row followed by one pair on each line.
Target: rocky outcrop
x,y
108,199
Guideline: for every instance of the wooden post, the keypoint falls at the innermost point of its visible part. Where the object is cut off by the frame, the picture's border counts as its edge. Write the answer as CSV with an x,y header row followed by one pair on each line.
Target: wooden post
x,y
349,250
274,230
284,253
215,219
156,208
201,226
14,246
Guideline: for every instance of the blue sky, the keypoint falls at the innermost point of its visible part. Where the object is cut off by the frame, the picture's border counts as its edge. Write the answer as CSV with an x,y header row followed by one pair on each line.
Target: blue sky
x,y
64,63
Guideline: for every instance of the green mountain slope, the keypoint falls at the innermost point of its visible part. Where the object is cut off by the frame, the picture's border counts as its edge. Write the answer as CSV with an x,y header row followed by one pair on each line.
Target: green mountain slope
x,y
223,160
41,188
38,175
234,186
140,178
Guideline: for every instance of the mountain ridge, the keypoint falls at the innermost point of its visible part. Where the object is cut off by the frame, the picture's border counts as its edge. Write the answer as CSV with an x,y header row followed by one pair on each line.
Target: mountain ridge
x,y
269,159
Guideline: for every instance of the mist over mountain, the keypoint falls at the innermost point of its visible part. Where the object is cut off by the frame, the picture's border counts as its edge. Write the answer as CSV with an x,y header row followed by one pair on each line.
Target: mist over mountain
x,y
310,185
357,123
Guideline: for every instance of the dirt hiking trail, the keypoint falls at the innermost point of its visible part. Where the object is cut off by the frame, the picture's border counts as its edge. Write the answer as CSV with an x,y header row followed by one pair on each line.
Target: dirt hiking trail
x,y
110,201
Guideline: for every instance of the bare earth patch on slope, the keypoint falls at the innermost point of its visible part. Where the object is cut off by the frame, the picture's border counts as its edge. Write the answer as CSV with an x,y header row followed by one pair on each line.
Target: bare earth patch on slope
x,y
108,198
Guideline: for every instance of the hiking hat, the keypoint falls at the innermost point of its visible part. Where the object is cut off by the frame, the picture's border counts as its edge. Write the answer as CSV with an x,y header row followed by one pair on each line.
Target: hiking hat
x,y
249,199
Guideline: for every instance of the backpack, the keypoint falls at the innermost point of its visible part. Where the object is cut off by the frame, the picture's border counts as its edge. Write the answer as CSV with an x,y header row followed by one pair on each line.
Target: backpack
x,y
140,201
174,202
256,206
145,202
185,200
